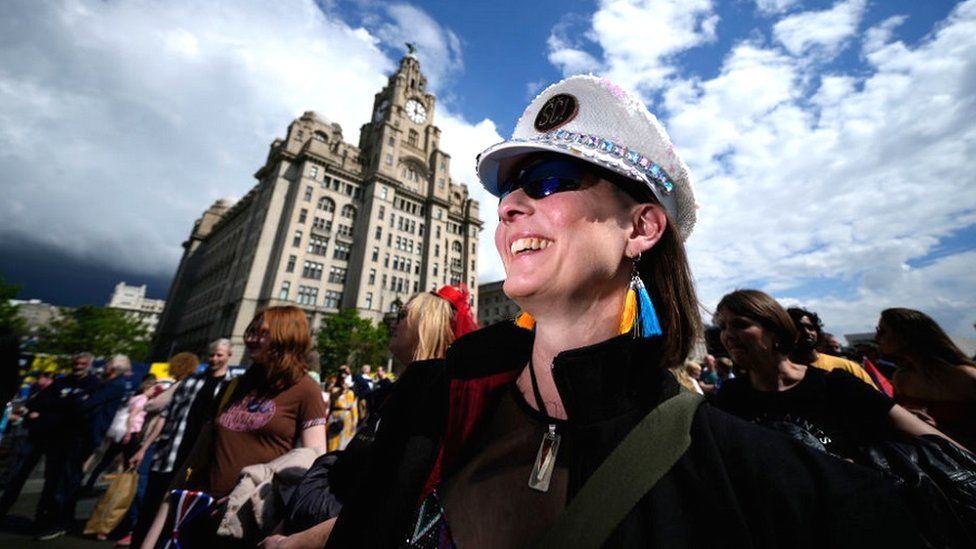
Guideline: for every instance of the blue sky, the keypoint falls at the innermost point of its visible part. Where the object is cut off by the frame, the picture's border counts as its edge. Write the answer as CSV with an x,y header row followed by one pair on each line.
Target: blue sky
x,y
832,143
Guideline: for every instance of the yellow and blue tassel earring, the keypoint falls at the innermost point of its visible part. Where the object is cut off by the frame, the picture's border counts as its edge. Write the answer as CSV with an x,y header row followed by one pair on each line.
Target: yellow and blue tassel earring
x,y
639,309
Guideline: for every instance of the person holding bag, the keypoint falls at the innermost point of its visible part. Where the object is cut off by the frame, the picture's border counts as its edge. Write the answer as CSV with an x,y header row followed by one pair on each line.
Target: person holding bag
x,y
263,413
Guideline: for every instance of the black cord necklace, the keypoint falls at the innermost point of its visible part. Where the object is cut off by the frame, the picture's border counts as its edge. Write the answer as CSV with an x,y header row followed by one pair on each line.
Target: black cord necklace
x,y
545,460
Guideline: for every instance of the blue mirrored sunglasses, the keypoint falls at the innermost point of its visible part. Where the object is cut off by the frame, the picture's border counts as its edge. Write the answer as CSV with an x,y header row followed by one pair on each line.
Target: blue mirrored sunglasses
x,y
546,177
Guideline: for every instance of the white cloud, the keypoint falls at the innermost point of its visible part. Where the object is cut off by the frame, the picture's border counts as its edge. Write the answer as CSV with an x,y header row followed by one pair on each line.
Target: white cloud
x,y
438,48
826,188
120,122
824,31
638,40
773,7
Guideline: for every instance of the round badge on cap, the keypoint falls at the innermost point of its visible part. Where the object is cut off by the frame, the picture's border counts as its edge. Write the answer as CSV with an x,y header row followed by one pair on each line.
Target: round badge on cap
x,y
558,110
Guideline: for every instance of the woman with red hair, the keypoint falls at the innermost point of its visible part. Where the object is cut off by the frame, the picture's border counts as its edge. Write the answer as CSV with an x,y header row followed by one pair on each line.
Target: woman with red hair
x,y
272,405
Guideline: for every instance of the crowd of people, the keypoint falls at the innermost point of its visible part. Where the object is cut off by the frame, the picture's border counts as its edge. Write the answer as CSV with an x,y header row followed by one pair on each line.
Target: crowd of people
x,y
583,422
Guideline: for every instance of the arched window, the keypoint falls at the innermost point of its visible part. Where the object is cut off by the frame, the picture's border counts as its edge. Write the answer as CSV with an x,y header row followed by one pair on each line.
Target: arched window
x,y
348,212
319,136
412,138
326,204
456,247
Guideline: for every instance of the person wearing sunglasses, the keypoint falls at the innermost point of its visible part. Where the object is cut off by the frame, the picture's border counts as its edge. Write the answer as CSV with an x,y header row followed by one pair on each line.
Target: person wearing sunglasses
x,y
553,420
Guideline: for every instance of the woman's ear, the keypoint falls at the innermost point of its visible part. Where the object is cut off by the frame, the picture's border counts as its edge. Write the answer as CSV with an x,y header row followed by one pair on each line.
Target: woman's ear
x,y
649,221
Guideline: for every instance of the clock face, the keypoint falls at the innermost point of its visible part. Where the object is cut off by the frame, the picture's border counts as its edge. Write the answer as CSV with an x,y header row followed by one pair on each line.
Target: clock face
x,y
415,111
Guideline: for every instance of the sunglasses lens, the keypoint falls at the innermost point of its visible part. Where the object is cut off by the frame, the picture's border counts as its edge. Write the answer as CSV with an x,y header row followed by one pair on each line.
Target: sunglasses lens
x,y
541,188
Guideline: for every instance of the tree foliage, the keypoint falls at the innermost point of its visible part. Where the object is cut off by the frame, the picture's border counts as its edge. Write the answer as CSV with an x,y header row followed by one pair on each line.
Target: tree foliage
x,y
346,338
10,320
100,331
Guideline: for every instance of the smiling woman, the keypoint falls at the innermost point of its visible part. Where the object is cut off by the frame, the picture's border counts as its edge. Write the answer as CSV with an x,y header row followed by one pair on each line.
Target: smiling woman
x,y
565,428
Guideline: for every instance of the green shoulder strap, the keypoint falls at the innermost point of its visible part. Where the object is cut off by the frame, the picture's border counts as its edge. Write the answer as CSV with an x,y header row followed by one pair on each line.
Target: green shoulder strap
x,y
231,385
629,472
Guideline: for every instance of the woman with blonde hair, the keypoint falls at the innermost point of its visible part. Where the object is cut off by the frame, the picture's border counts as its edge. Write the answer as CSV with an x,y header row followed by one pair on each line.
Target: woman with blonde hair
x,y
425,328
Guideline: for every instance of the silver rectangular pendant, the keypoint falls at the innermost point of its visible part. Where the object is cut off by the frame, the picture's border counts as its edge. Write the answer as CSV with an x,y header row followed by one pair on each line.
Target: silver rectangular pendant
x,y
545,461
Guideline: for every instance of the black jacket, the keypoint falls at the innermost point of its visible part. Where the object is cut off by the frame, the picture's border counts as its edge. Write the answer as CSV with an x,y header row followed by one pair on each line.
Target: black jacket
x,y
738,485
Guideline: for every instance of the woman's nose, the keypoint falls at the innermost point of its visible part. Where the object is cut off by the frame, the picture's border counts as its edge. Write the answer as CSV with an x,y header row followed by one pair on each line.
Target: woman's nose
x,y
514,204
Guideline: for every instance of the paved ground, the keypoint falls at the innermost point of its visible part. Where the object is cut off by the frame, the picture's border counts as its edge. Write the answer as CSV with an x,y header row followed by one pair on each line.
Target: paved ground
x,y
17,530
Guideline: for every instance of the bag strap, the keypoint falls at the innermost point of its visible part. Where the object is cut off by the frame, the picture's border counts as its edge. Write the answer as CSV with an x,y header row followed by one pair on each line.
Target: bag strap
x,y
231,385
645,455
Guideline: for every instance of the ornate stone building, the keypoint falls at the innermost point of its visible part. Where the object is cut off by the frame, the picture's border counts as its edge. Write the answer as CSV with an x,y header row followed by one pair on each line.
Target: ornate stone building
x,y
330,225
133,300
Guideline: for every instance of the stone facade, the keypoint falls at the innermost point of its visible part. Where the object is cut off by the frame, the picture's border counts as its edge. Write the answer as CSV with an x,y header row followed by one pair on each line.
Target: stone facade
x,y
133,300
330,225
493,305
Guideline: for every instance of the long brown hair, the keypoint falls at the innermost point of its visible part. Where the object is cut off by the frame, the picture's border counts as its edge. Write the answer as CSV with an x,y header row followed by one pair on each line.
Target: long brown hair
x,y
667,276
289,341
921,339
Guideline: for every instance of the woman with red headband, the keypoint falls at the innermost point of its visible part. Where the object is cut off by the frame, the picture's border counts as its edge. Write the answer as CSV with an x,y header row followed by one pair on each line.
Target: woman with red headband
x,y
424,329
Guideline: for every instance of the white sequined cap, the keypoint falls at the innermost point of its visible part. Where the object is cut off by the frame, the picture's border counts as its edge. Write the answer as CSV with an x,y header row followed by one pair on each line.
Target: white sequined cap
x,y
595,120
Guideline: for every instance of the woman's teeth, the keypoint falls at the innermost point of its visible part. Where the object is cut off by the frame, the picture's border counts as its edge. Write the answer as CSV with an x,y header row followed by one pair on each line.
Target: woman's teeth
x,y
526,244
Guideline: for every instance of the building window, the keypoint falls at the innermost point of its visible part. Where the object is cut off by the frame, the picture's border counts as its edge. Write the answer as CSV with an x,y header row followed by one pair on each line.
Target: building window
x,y
313,172
412,138
383,285
341,251
337,275
326,204
379,233
372,277
319,136
437,250
349,189
283,292
435,269
348,212
345,230
386,260
474,248
317,245
456,247
440,183
312,270
383,193
297,241
291,264
322,224
308,193
376,253
472,264
382,212
302,215
369,300
307,295
438,232
388,159
416,286
332,299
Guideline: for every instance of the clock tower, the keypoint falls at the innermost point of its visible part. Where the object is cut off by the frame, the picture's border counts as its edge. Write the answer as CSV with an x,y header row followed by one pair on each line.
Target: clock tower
x,y
401,141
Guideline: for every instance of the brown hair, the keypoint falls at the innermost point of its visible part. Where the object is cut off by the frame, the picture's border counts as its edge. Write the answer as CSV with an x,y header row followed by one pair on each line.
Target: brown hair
x,y
921,339
289,341
182,365
765,310
667,276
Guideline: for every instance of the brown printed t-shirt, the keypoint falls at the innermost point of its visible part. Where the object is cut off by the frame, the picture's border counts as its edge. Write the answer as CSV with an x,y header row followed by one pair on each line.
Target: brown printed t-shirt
x,y
256,430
